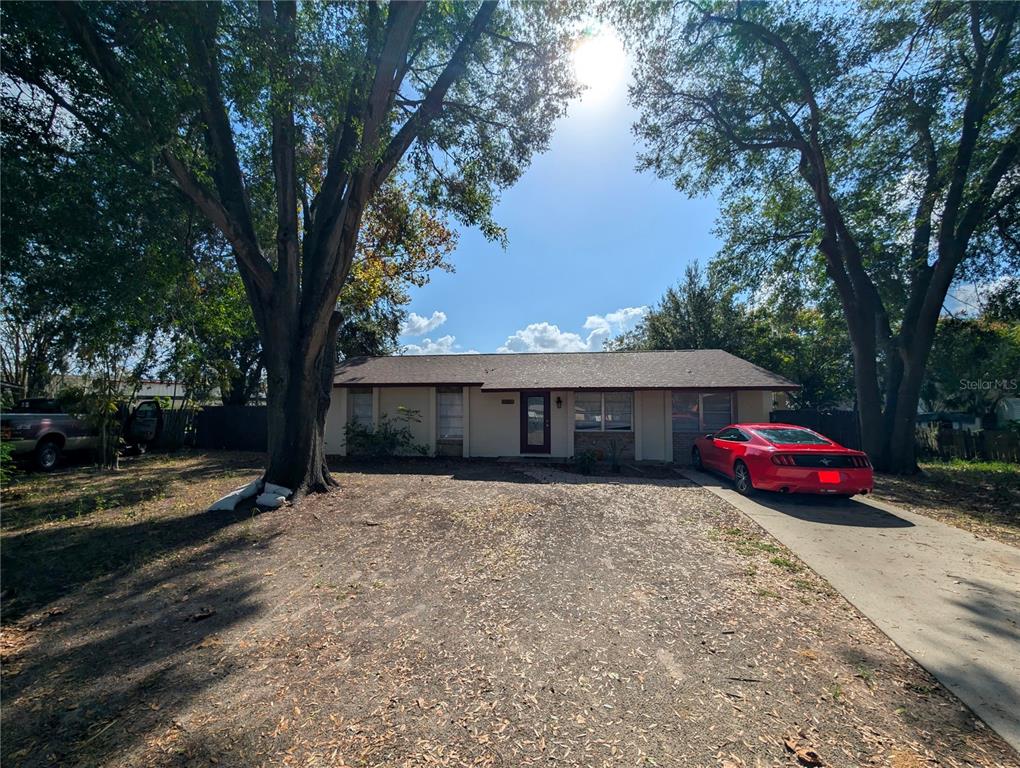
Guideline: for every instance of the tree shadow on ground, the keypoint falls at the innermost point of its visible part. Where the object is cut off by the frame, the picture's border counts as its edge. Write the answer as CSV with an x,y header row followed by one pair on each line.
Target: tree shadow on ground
x,y
77,492
971,494
84,693
44,564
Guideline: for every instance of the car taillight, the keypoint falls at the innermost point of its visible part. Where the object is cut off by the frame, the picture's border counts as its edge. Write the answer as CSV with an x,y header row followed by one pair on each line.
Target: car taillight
x,y
860,461
783,459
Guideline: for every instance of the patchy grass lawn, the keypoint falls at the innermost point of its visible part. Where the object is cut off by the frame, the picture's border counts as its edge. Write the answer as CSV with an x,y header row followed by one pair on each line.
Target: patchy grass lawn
x,y
978,496
438,614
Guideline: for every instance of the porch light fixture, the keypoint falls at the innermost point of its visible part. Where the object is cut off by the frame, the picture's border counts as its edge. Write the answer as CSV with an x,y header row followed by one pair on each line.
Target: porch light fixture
x,y
559,401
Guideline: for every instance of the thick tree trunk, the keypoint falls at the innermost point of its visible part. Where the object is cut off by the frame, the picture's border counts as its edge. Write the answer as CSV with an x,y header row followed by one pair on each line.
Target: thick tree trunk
x,y
298,398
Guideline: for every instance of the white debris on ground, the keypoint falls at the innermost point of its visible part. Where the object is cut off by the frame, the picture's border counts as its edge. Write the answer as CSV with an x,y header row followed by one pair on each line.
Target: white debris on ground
x,y
272,499
229,502
268,496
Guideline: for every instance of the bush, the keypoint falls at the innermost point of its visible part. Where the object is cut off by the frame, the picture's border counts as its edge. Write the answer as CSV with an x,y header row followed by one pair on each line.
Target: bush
x,y
614,456
7,468
388,438
585,461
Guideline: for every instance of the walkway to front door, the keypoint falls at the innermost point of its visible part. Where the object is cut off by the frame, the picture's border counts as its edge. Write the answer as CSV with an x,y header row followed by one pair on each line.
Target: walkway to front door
x,y
535,421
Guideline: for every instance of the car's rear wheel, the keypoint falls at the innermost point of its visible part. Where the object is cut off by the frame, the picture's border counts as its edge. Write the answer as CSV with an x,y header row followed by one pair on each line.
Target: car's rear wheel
x,y
696,459
742,479
47,455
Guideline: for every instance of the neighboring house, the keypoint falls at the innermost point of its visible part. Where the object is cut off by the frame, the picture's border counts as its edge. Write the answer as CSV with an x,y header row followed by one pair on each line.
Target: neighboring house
x,y
147,389
649,405
959,420
1007,411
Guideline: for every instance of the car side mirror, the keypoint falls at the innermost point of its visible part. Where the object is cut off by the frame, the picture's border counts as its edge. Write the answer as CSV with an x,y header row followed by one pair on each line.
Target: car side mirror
x,y
710,436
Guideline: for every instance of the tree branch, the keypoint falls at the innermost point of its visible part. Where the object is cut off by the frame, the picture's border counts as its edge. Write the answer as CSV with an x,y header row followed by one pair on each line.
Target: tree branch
x,y
281,29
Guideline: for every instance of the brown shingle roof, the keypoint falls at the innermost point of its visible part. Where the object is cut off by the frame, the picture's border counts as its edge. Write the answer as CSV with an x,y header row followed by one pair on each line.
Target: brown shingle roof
x,y
673,369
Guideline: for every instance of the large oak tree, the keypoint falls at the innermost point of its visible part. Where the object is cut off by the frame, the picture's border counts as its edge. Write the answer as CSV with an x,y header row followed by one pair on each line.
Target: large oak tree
x,y
870,148
281,121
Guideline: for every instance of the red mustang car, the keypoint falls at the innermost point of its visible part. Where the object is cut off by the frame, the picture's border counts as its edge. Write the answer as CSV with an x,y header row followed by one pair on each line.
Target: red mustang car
x,y
785,458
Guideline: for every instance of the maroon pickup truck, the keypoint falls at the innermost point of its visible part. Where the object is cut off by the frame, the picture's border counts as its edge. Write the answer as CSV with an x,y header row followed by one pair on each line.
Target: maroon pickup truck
x,y
41,428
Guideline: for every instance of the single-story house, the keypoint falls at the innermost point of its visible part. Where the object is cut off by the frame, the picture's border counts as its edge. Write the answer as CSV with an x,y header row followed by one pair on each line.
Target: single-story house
x,y
645,406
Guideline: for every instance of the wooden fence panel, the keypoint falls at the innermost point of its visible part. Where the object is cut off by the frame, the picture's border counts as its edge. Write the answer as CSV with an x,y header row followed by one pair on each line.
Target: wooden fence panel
x,y
988,444
237,427
841,426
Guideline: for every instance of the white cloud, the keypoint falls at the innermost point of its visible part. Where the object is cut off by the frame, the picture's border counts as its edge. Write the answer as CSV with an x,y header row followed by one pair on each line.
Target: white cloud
x,y
543,337
614,323
546,337
416,325
444,345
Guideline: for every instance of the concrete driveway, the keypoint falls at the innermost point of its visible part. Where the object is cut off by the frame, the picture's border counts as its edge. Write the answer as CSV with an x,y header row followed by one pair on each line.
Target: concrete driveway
x,y
948,598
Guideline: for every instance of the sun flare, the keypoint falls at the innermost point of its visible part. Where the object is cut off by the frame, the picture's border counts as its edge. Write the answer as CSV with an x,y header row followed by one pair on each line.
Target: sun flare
x,y
599,63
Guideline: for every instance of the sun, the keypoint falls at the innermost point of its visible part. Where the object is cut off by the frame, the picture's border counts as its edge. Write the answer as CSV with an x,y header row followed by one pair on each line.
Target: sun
x,y
599,63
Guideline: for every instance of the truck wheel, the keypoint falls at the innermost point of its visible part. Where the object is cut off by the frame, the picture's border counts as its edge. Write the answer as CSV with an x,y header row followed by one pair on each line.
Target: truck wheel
x,y
47,455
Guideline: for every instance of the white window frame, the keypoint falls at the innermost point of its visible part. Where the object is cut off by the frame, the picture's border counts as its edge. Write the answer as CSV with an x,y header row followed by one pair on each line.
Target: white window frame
x,y
351,415
602,410
440,396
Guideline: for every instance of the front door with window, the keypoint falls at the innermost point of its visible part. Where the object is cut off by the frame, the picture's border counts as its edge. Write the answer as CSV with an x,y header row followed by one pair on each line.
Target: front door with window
x,y
535,422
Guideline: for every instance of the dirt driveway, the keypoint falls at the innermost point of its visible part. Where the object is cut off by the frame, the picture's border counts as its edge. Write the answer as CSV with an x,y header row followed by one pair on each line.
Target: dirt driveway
x,y
473,614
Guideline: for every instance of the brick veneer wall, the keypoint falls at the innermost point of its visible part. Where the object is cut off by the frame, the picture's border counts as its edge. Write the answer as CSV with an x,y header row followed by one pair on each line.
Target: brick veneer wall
x,y
683,442
595,441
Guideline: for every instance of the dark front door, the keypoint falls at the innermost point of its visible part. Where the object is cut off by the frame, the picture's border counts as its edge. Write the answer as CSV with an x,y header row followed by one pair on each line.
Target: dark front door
x,y
535,422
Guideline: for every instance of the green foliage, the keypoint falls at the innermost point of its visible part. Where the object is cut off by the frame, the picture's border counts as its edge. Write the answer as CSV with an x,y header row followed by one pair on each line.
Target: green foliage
x,y
809,346
975,362
389,438
7,467
872,168
614,456
585,461
1003,303
283,124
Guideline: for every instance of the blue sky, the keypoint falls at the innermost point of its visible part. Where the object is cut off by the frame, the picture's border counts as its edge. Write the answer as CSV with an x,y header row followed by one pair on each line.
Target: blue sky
x,y
591,244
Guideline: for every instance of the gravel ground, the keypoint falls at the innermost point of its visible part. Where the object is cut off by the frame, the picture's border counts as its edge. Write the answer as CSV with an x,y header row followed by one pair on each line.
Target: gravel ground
x,y
475,614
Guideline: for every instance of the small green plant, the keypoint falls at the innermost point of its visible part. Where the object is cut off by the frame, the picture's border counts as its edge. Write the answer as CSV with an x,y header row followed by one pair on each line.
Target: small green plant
x,y
585,462
614,456
785,563
388,438
867,674
7,468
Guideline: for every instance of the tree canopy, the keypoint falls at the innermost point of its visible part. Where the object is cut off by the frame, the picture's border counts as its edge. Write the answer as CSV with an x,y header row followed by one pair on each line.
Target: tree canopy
x,y
281,122
867,153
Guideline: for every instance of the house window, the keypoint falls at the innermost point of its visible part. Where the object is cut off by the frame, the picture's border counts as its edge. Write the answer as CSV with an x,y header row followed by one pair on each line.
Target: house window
x,y
686,412
716,410
611,411
587,411
361,407
619,410
450,414
704,412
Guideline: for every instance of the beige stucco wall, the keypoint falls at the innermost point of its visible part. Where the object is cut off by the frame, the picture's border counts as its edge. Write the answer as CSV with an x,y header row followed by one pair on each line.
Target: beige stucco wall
x,y
420,399
336,420
753,405
492,428
653,414
560,424
495,427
